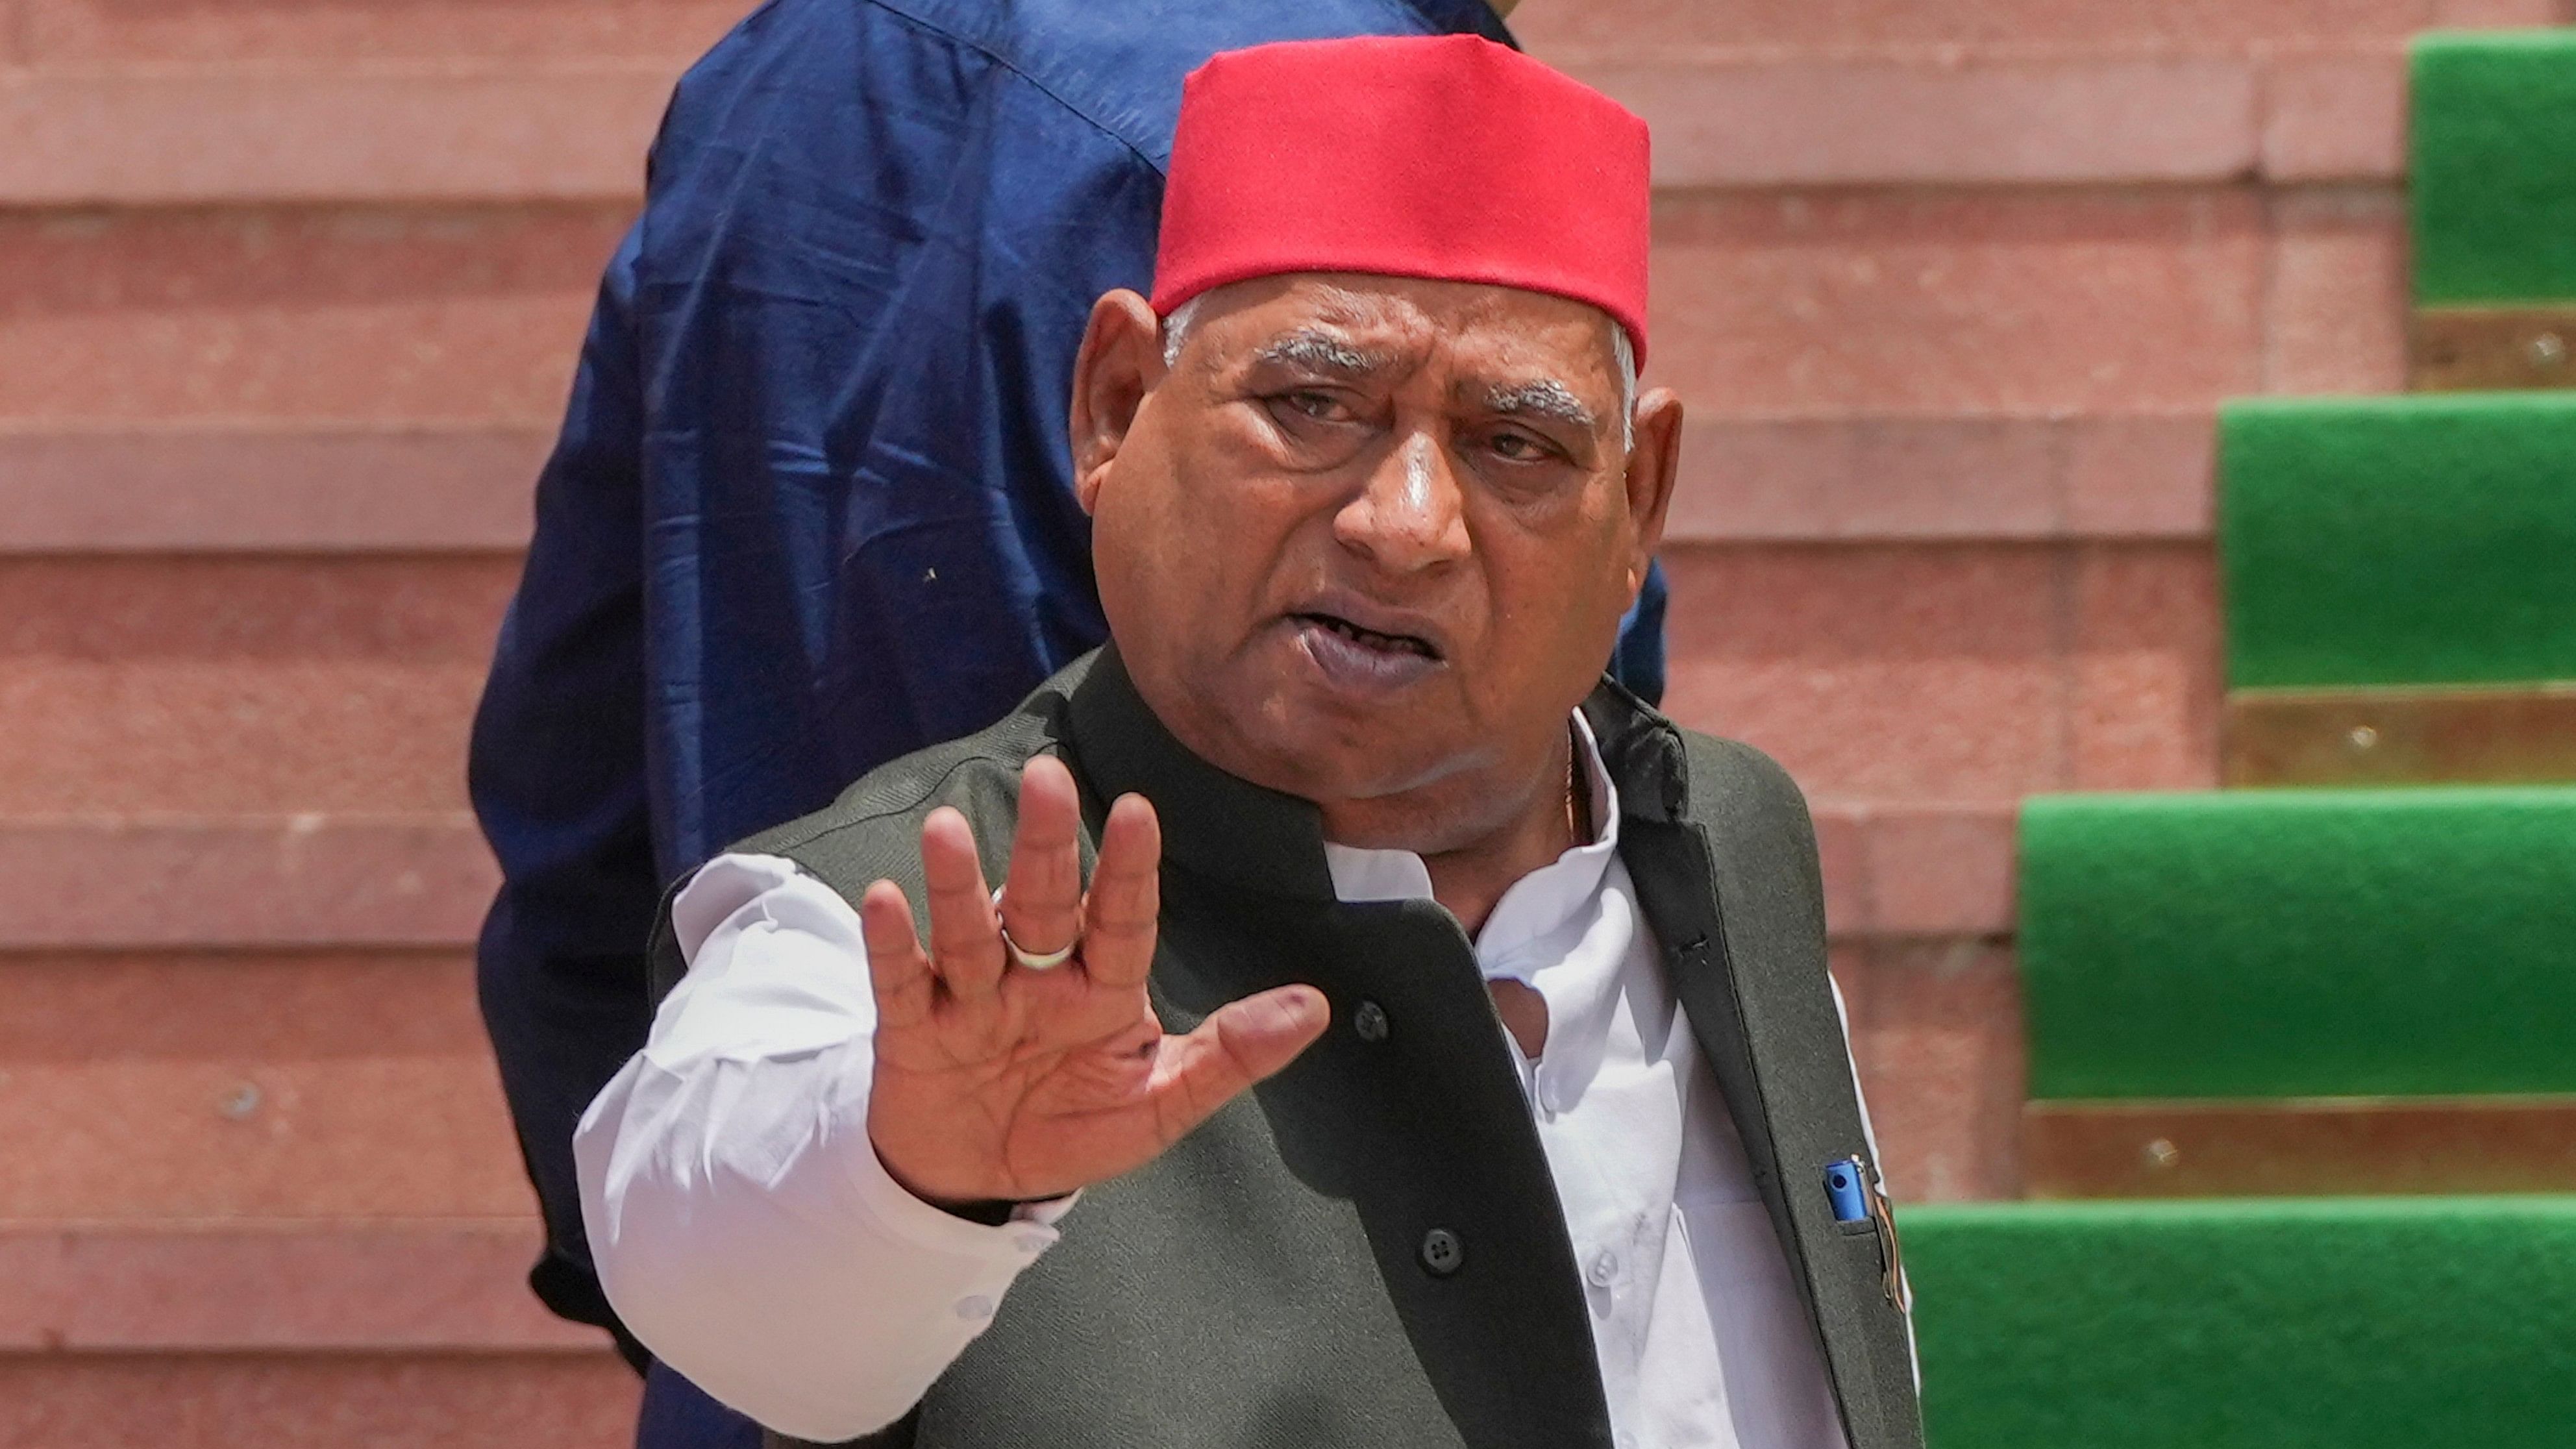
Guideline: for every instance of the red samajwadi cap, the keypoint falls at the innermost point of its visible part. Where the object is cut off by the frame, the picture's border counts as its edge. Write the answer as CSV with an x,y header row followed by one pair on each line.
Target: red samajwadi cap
x,y
1447,157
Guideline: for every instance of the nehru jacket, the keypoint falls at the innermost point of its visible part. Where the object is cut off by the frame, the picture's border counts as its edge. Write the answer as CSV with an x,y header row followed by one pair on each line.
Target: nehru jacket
x,y
1367,1249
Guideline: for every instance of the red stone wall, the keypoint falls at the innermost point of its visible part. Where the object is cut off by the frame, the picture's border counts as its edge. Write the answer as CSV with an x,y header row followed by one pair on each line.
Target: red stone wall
x,y
289,296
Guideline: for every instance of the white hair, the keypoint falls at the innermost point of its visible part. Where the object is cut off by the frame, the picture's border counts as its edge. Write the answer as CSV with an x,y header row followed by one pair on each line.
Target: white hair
x,y
1624,348
1176,329
1176,335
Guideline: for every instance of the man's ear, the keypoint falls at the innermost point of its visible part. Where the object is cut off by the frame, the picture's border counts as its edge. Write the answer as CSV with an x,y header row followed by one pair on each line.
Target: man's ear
x,y
1653,465
1120,362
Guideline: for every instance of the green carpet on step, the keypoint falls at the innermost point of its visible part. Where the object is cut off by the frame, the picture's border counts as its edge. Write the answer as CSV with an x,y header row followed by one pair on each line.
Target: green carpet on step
x,y
2401,540
2491,177
2426,1323
2299,943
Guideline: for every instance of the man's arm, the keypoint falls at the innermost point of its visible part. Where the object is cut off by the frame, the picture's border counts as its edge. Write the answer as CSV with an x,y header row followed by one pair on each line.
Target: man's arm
x,y
557,772
779,1188
742,1224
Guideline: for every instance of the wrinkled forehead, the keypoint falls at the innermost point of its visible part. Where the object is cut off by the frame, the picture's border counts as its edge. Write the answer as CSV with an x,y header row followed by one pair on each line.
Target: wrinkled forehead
x,y
1390,327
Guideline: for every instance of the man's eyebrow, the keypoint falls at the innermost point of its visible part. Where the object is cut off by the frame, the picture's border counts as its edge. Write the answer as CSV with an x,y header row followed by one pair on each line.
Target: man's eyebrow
x,y
1543,398
1320,352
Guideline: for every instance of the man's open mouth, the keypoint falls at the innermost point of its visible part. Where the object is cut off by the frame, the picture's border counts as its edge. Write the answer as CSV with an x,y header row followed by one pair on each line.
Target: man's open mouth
x,y
1371,638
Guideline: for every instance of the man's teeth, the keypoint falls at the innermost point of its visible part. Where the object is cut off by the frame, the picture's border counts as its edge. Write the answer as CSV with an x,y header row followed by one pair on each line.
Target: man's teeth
x,y
1370,637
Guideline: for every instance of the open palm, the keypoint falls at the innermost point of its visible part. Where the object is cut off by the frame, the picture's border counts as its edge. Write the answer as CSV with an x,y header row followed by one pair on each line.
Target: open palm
x,y
997,1082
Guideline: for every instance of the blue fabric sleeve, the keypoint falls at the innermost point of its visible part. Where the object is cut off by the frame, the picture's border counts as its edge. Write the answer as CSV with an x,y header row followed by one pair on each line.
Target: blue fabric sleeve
x,y
557,774
1638,662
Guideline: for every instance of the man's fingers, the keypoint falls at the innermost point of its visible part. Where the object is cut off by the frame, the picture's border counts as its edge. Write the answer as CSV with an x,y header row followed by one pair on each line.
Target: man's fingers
x,y
898,972
1243,1042
1121,915
1042,894
965,937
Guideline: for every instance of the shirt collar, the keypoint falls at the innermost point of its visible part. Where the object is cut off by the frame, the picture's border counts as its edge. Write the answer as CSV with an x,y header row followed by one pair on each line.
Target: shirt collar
x,y
1560,929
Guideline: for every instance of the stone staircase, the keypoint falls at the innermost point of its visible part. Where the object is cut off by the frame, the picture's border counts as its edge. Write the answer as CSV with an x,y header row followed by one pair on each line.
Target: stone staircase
x,y
289,296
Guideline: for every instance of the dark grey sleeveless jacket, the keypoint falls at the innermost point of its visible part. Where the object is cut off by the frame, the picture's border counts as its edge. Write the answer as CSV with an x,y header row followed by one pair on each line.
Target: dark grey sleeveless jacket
x,y
1366,1252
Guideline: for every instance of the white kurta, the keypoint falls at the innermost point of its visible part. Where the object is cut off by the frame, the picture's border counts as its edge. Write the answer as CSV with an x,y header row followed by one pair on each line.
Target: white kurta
x,y
746,1232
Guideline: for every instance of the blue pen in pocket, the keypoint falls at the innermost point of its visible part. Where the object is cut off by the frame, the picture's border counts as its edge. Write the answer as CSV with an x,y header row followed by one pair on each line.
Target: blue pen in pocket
x,y
1843,1189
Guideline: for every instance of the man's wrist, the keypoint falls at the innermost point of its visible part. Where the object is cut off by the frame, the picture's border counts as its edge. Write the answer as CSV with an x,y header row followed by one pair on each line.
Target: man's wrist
x,y
985,1212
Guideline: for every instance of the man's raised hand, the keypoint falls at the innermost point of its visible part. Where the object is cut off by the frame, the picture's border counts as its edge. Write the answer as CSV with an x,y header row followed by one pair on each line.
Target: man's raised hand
x,y
998,1082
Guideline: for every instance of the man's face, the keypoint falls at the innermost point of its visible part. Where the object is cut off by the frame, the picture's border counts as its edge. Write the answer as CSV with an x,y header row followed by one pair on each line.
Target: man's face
x,y
1368,539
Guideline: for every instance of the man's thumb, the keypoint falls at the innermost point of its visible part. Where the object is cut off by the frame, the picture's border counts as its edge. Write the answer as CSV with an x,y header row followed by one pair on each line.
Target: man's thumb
x,y
1243,1042
1261,1034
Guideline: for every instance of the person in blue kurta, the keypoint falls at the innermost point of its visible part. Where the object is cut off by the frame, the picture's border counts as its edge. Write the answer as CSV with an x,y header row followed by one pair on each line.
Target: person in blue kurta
x,y
812,507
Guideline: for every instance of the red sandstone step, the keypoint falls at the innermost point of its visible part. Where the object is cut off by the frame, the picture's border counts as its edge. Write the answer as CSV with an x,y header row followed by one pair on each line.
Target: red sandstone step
x,y
262,1287
277,1400
2018,303
315,1107
284,1334
58,32
1762,120
398,131
1952,478
267,490
449,130
310,882
1936,1032
1920,673
264,1084
63,34
423,884
356,1090
260,736
243,695
1556,27
466,490
1947,302
409,317
147,685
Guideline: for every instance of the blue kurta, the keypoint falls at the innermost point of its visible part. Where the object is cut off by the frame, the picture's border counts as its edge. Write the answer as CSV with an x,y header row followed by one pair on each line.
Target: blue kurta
x,y
812,507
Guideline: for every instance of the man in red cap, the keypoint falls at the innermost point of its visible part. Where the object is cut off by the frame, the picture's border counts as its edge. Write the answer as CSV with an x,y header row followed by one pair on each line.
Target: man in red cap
x,y
1387,1032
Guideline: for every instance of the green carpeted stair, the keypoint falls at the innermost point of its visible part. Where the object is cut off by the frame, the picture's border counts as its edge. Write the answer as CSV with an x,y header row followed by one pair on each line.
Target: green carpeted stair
x,y
2328,990
2494,198
2409,540
2288,943
2492,177
2316,1324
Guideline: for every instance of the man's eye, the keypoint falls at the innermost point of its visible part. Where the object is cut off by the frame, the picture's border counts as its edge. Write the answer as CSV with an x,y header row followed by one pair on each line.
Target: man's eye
x,y
1323,407
1519,447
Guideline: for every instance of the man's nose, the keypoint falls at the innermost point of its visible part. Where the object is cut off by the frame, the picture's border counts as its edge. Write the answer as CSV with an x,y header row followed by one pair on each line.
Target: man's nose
x,y
1410,516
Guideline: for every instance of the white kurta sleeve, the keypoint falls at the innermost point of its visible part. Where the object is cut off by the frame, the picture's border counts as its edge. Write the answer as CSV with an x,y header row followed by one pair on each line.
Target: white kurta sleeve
x,y
737,1213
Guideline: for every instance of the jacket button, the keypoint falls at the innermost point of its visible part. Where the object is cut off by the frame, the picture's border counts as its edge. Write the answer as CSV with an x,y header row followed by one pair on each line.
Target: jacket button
x,y
1442,1253
1368,1021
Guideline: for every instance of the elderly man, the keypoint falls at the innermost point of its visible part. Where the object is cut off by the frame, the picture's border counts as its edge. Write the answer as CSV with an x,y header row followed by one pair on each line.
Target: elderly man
x,y
1555,1140
812,507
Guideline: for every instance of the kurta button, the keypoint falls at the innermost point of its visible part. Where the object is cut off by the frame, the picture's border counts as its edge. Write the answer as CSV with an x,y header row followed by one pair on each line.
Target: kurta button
x,y
1442,1253
1368,1021
1604,1270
